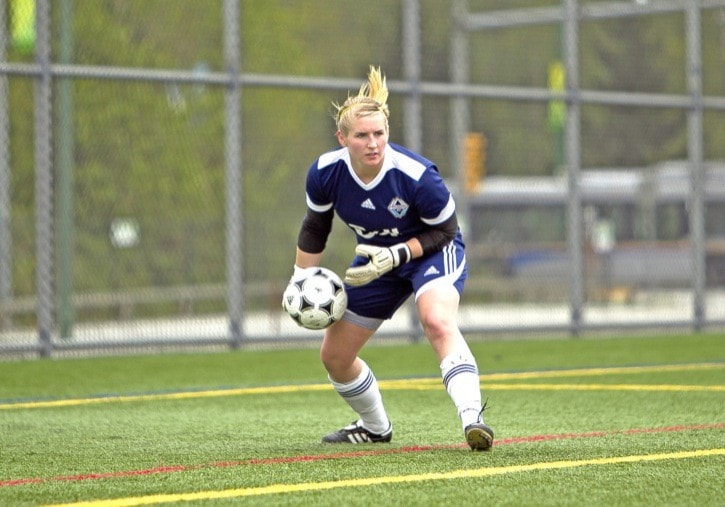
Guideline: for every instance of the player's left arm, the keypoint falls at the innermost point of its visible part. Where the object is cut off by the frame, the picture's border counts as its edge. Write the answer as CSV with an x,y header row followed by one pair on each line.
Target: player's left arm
x,y
435,237
384,259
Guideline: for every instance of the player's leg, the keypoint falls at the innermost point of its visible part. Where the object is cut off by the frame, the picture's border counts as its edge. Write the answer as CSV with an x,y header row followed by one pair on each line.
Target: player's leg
x,y
438,282
438,308
354,381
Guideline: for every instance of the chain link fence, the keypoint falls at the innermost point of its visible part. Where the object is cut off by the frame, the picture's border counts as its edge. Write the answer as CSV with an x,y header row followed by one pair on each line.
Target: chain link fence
x,y
154,154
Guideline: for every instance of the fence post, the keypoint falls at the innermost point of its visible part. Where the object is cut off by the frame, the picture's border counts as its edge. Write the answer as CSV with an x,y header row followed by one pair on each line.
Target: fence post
x,y
44,245
572,150
233,170
6,264
695,155
413,106
64,172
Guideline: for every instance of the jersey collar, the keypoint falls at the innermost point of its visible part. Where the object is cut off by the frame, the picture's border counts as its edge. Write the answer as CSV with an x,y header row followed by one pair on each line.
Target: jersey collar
x,y
388,163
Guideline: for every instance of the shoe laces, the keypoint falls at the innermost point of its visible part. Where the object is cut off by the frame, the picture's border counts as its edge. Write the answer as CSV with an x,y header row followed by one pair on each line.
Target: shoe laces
x,y
484,407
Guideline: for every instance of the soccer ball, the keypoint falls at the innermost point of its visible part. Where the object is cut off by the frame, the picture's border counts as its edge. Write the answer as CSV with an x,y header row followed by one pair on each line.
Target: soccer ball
x,y
317,300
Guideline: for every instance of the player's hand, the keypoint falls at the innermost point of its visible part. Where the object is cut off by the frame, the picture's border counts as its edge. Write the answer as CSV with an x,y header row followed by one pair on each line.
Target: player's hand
x,y
299,274
382,260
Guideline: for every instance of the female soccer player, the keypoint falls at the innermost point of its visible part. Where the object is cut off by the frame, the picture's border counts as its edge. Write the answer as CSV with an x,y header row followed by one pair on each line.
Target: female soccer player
x,y
408,242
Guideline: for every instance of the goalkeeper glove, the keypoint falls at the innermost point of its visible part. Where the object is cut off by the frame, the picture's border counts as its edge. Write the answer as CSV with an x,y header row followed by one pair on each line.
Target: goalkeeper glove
x,y
382,260
299,273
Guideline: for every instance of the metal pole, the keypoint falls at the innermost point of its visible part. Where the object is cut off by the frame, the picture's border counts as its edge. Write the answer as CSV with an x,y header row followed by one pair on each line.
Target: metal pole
x,y
588,11
233,168
413,106
573,163
6,264
44,251
411,68
65,175
695,155
460,114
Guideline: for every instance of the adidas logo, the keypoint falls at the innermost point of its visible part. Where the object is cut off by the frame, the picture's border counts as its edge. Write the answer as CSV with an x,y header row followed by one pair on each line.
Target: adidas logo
x,y
368,204
431,271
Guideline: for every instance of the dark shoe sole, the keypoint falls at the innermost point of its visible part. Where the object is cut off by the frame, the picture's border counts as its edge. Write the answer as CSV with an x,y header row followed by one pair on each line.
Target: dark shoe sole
x,y
479,438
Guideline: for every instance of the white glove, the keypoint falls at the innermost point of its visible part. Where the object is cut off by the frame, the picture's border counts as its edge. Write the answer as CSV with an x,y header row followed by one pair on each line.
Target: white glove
x,y
382,260
298,274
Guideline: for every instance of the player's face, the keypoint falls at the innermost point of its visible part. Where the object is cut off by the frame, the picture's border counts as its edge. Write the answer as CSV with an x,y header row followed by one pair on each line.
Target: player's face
x,y
366,141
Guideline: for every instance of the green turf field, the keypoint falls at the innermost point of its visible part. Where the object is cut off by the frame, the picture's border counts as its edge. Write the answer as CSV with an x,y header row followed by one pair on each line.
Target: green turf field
x,y
606,421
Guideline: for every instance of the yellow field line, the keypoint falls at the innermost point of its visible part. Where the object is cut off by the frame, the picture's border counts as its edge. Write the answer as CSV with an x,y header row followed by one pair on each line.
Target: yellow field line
x,y
588,372
184,395
275,489
564,387
414,384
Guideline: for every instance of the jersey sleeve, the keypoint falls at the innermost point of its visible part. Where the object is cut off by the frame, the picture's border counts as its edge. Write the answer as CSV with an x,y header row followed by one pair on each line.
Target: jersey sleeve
x,y
317,223
315,195
433,199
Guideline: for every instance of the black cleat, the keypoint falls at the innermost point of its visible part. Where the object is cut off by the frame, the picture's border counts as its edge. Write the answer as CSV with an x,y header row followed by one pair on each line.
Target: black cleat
x,y
356,434
478,435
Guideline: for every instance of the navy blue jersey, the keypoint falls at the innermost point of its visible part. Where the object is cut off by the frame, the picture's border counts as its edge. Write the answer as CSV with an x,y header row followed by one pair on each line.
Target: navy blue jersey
x,y
406,196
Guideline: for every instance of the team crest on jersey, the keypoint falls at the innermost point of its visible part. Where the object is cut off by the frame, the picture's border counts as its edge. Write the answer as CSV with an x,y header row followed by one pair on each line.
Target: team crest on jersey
x,y
398,207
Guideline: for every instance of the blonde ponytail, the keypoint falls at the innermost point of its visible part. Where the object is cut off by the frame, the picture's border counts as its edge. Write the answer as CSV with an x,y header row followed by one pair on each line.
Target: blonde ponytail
x,y
371,99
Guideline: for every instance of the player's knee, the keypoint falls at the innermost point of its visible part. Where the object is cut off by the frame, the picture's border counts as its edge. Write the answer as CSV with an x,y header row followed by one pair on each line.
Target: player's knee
x,y
438,325
335,361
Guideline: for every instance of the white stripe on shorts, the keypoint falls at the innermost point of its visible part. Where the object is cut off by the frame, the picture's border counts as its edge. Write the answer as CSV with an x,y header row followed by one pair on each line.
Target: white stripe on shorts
x,y
453,270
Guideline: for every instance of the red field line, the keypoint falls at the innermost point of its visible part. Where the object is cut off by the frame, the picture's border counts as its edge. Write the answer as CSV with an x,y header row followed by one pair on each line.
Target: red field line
x,y
351,454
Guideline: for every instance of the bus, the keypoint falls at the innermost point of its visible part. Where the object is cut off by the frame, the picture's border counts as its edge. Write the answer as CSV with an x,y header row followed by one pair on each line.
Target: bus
x,y
636,225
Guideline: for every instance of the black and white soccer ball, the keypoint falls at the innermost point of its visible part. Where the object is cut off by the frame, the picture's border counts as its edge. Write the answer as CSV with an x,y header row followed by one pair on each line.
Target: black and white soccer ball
x,y
317,300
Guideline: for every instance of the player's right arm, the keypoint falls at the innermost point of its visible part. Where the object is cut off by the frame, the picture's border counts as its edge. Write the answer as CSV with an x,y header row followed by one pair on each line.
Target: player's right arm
x,y
312,238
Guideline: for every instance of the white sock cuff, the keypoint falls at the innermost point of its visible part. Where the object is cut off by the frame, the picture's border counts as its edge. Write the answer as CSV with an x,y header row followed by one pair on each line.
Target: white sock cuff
x,y
460,356
365,378
457,364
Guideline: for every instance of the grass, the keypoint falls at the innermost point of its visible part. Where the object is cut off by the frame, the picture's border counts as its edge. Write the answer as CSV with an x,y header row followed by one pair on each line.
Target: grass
x,y
625,421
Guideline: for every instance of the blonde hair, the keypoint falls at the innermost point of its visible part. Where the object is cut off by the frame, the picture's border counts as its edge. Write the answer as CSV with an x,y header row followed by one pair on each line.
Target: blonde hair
x,y
371,99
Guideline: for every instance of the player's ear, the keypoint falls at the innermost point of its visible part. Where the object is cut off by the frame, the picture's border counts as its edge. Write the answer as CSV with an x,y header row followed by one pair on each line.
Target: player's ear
x,y
341,138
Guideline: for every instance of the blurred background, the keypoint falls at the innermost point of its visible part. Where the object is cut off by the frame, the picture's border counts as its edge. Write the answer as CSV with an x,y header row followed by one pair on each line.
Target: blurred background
x,y
153,156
